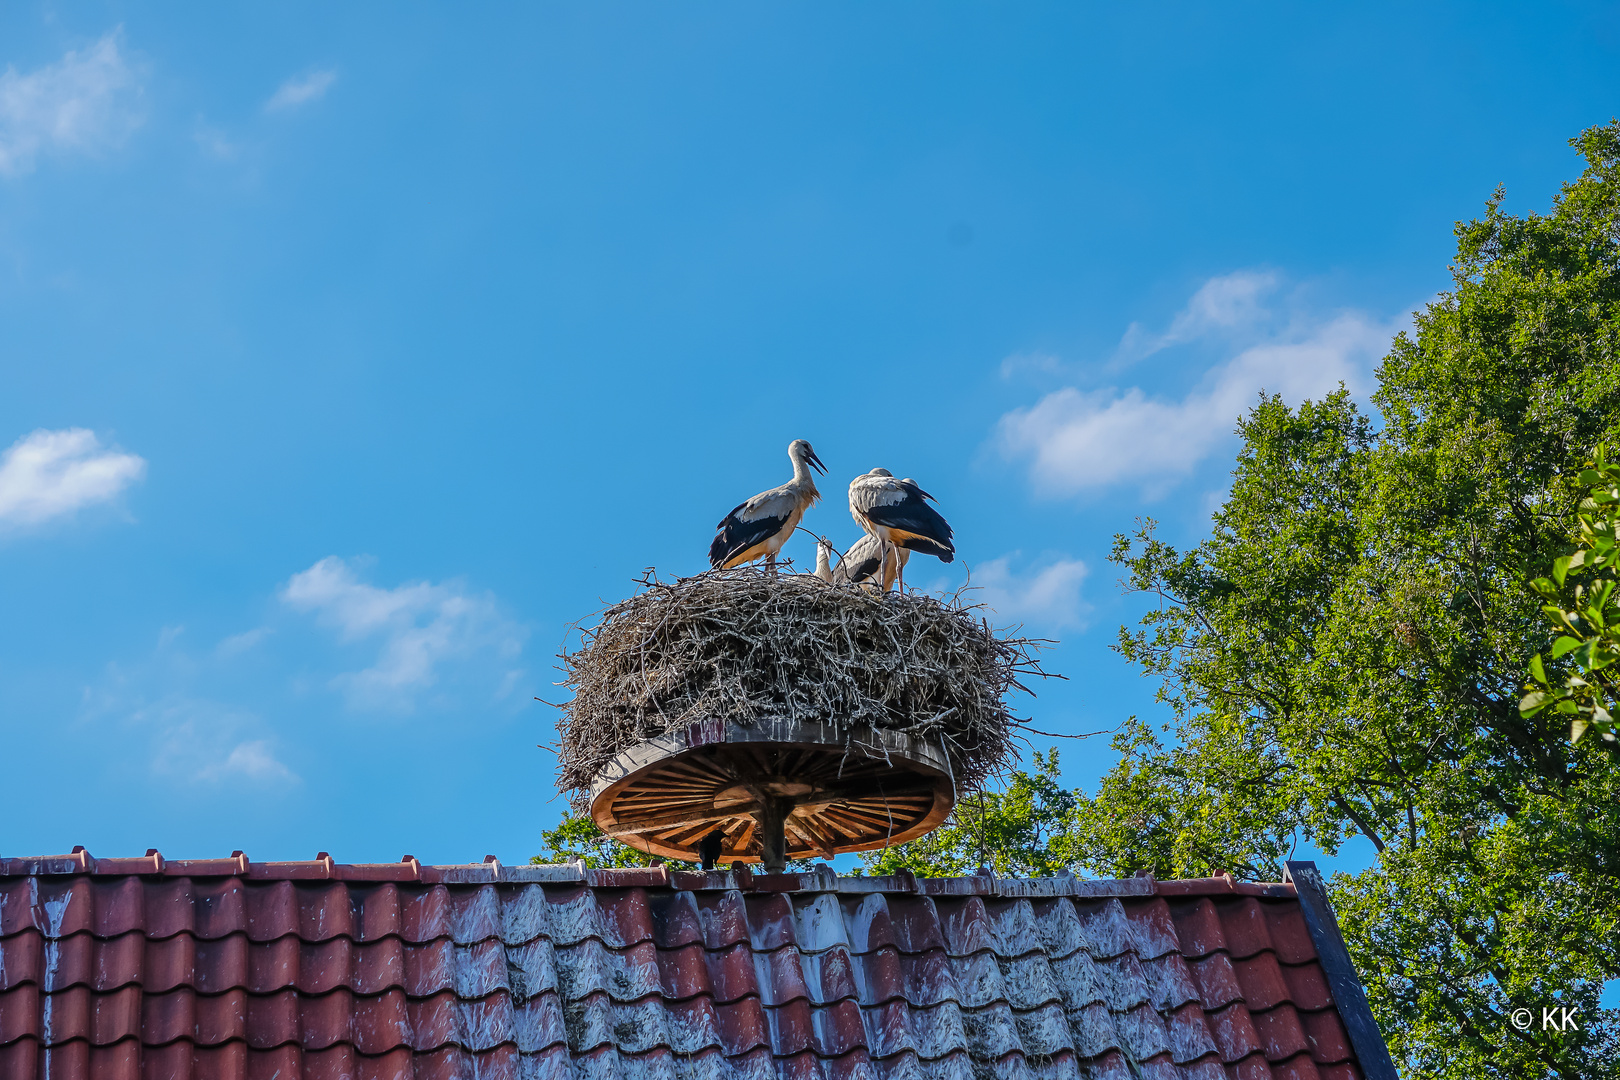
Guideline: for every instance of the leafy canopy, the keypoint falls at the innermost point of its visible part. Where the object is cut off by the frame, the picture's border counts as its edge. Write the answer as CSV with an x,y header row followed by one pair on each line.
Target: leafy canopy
x,y
1341,660
576,838
1586,612
1343,655
1023,830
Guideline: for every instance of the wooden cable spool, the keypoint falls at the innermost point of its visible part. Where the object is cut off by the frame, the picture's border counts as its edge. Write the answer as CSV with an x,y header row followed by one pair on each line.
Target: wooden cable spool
x,y
779,790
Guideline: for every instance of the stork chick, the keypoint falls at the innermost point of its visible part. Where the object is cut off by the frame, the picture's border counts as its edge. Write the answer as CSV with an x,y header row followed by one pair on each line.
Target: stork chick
x,y
870,562
824,569
759,527
896,512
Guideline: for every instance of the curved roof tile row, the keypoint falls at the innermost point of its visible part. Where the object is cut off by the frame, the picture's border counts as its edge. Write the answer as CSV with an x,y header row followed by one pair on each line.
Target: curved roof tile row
x,y
128,968
130,1061
209,909
726,974
378,1024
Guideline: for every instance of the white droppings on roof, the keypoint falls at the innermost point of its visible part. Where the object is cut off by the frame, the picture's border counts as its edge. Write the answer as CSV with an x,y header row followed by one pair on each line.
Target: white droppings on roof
x,y
818,922
1107,931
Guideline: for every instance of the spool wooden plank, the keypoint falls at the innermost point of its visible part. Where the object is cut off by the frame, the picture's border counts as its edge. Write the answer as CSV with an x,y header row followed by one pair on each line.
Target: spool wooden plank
x,y
850,790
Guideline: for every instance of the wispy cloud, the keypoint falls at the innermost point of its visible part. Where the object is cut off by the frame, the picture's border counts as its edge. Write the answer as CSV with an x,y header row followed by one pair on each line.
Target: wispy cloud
x,y
1035,363
237,644
214,141
251,760
213,715
300,90
47,474
197,739
86,102
1077,440
1231,303
418,628
1044,595
180,709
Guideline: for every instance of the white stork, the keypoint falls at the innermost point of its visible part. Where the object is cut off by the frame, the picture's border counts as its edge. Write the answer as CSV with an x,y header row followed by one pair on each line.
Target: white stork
x,y
759,527
824,559
870,562
896,512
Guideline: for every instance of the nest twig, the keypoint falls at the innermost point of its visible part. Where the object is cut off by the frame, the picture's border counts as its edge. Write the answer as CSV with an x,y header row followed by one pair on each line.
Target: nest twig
x,y
749,646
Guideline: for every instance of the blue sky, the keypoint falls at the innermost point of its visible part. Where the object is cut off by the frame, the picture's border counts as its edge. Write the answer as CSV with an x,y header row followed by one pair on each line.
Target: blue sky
x,y
351,355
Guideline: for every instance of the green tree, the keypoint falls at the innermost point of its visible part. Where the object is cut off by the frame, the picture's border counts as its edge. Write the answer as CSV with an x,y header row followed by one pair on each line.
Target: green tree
x,y
1342,657
577,837
1583,602
1023,830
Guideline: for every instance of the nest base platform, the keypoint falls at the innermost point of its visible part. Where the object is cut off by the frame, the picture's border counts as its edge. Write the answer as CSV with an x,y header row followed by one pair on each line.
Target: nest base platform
x,y
821,790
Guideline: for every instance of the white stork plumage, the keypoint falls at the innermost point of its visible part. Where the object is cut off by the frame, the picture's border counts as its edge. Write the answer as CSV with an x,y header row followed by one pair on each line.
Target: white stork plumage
x,y
759,527
896,513
824,559
870,562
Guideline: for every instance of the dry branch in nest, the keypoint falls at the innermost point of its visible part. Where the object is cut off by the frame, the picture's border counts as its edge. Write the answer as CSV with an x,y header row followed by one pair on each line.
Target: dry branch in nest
x,y
749,646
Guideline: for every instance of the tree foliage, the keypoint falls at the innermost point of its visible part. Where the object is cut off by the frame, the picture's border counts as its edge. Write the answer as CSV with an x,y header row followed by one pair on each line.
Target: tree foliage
x,y
1583,602
1343,655
577,837
1342,658
1023,830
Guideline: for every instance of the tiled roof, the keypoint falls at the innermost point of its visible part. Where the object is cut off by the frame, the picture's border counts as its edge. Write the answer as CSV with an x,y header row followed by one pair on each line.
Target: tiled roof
x,y
118,968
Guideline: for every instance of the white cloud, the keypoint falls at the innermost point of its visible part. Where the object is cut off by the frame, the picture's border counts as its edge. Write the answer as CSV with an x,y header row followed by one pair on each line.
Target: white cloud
x,y
419,627
201,740
237,644
50,473
252,760
1231,302
1079,440
1045,596
300,90
214,141
1037,363
85,102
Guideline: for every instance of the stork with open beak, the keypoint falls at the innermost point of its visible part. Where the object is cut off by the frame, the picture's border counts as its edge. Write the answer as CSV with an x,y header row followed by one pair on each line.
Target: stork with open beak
x,y
759,527
870,562
896,513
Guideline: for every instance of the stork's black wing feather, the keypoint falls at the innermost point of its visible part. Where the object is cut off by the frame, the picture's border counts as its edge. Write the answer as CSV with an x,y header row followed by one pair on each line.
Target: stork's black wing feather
x,y
931,533
943,552
859,571
733,535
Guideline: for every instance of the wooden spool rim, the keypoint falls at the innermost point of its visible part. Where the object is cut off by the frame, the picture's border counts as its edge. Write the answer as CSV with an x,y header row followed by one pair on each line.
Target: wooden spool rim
x,y
893,788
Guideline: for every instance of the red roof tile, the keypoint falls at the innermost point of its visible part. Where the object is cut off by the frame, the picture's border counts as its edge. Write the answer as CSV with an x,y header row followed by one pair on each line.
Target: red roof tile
x,y
148,968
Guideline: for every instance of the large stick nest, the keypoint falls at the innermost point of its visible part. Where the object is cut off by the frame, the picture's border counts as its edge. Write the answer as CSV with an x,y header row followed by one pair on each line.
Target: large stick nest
x,y
749,646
